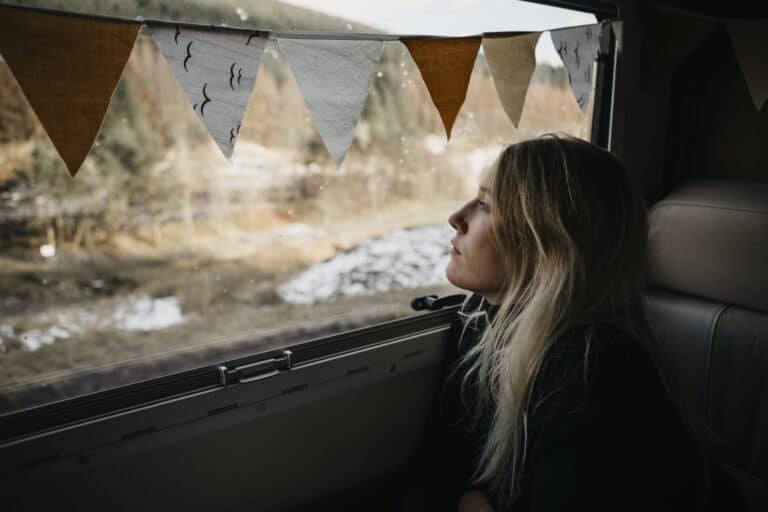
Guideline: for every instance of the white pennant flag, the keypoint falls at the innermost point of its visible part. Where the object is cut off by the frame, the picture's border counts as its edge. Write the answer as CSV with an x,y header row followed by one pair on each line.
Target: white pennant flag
x,y
334,77
217,69
748,38
577,47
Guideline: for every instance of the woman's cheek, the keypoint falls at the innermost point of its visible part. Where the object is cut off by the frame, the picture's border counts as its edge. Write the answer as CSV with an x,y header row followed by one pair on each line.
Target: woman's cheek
x,y
491,266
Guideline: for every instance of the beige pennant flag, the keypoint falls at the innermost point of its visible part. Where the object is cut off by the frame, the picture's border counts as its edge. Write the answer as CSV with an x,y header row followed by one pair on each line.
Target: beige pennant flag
x,y
512,61
749,38
445,66
618,33
68,68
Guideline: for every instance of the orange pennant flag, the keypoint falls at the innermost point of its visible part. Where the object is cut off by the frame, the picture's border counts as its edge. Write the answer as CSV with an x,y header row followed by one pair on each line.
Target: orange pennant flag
x,y
445,66
68,68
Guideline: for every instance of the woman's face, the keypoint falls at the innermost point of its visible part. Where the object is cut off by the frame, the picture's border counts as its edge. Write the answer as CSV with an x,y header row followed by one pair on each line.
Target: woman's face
x,y
476,262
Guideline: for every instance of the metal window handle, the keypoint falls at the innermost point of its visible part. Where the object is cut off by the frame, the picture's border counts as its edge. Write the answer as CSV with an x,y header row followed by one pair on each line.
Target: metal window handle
x,y
433,302
231,375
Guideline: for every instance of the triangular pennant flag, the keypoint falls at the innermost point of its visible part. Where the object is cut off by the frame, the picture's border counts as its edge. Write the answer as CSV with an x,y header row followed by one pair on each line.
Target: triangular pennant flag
x,y
445,66
217,69
675,37
577,47
618,33
512,61
68,68
334,77
748,38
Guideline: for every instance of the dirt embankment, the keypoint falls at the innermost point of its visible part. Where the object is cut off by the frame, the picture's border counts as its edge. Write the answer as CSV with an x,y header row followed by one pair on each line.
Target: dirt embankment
x,y
224,285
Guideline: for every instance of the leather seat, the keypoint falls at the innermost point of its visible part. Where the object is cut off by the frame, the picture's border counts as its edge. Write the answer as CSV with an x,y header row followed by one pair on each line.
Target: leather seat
x,y
708,302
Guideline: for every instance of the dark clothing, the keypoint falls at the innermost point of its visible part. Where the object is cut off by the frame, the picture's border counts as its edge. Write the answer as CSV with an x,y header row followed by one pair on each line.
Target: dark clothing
x,y
602,434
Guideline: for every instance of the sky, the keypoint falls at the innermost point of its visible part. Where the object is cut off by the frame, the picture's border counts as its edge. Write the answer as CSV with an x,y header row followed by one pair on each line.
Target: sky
x,y
455,17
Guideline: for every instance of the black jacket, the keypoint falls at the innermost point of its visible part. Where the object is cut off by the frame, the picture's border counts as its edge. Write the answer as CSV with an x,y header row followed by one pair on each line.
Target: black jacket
x,y
602,434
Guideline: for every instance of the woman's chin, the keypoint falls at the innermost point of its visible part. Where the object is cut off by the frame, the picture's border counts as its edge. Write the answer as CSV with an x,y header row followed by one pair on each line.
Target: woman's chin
x,y
450,275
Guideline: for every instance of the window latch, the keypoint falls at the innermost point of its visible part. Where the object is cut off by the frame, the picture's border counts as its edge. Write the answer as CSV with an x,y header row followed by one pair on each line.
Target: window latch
x,y
433,302
244,372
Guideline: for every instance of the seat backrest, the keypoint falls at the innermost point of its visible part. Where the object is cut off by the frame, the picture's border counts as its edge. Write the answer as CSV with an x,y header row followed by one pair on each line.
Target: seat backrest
x,y
708,302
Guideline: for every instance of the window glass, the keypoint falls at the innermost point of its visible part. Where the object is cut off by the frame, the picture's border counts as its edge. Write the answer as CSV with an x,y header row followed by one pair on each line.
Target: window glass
x,y
162,256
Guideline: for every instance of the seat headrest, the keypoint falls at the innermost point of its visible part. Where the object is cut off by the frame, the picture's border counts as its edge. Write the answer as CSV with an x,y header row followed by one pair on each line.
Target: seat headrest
x,y
710,238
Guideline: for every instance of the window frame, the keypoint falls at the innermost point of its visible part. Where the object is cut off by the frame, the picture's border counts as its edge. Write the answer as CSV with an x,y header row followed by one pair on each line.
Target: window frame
x,y
22,423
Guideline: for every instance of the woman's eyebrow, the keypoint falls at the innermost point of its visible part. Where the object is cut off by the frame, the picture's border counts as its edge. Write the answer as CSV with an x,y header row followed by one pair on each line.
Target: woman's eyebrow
x,y
483,190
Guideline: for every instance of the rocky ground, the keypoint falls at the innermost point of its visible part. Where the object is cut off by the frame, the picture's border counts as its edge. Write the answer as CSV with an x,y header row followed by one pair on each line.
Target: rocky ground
x,y
99,322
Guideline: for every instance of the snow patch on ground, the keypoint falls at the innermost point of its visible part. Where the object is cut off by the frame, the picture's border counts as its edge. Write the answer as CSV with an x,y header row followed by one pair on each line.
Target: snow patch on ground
x,y
135,313
401,259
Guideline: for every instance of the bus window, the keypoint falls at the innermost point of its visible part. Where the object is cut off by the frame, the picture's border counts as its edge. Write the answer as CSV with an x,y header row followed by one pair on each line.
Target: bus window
x,y
162,256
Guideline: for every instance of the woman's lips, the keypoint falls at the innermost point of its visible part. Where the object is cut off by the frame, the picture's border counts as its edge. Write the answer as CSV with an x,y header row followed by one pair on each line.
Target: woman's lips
x,y
454,250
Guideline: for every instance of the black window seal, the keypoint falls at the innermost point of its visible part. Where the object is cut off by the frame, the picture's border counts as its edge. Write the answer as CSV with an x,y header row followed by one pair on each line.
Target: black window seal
x,y
38,419
602,110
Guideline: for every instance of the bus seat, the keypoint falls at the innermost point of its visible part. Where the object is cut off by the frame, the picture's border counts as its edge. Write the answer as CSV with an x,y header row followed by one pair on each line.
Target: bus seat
x,y
708,303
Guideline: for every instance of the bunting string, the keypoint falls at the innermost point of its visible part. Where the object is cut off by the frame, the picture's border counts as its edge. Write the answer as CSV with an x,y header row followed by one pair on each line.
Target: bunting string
x,y
217,66
68,65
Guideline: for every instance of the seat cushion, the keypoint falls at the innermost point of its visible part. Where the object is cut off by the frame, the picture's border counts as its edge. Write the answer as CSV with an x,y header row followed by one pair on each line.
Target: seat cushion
x,y
709,238
738,389
708,267
686,326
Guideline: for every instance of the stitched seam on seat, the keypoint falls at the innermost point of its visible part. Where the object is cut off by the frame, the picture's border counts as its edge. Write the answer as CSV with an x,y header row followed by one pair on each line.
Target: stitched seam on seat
x,y
712,334
700,205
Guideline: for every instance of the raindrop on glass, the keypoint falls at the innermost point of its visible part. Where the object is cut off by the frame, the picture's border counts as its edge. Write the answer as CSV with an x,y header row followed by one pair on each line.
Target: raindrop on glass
x,y
241,12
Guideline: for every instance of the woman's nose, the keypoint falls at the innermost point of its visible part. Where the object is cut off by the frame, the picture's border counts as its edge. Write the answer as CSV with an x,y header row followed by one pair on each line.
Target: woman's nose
x,y
457,221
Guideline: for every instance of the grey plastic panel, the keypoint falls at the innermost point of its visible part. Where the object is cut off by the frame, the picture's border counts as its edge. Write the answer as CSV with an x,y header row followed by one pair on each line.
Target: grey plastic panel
x,y
281,439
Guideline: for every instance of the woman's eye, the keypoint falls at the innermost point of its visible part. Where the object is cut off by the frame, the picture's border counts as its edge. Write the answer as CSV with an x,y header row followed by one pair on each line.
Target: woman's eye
x,y
484,206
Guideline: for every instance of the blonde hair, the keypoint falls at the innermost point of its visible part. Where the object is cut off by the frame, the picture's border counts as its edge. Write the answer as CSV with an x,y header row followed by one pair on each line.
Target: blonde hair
x,y
572,228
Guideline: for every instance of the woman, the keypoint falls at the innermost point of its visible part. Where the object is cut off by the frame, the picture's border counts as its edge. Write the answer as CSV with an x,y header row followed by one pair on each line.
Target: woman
x,y
564,398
